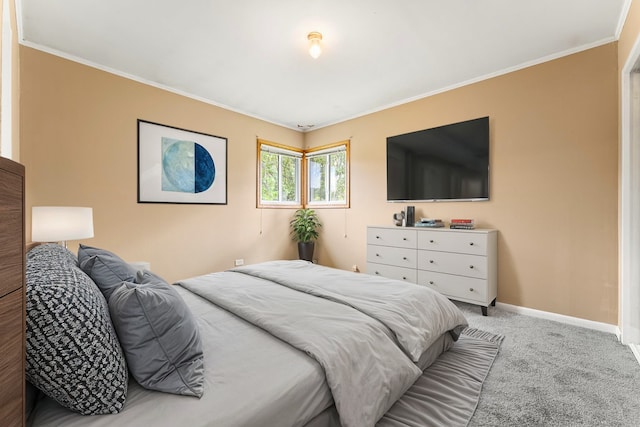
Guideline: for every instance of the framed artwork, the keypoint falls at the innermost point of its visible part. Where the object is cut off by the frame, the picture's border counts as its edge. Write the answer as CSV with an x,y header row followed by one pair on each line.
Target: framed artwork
x,y
180,166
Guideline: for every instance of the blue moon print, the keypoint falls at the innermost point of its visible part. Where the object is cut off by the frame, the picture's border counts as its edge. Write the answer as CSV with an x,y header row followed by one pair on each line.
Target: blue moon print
x,y
187,167
205,169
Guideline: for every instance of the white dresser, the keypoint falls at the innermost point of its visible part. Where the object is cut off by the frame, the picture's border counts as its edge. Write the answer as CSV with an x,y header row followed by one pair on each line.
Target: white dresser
x,y
460,264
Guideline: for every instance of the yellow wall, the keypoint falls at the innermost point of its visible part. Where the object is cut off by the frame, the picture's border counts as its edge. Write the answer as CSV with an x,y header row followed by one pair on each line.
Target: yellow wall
x,y
79,146
553,175
553,180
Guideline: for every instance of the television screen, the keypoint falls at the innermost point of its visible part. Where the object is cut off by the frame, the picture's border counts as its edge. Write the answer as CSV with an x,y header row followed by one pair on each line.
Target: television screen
x,y
444,163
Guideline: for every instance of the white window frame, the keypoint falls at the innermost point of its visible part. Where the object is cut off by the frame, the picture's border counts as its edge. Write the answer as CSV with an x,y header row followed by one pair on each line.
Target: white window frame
x,y
326,151
280,150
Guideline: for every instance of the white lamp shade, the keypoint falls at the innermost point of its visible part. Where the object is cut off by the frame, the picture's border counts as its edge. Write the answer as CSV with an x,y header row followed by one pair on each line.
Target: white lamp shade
x,y
61,223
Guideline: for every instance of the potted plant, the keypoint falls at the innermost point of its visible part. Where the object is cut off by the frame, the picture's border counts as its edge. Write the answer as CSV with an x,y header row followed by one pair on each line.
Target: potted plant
x,y
304,230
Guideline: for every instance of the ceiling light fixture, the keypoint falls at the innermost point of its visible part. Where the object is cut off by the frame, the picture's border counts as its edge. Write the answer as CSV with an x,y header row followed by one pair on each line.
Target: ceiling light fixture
x,y
314,44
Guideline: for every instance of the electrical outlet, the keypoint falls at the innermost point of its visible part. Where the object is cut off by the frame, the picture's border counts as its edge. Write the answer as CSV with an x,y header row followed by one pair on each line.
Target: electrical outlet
x,y
239,262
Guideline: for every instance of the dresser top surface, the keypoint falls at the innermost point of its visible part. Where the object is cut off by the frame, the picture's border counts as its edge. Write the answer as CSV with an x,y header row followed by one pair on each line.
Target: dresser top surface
x,y
438,229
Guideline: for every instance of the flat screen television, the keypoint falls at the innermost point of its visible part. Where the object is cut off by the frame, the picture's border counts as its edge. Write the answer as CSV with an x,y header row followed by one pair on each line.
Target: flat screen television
x,y
448,162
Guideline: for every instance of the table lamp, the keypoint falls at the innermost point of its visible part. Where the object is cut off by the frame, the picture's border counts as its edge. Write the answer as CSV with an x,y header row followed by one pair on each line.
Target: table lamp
x,y
61,223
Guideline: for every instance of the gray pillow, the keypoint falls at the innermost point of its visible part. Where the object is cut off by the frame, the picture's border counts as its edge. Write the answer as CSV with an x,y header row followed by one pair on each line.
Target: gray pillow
x,y
159,336
106,269
73,353
146,276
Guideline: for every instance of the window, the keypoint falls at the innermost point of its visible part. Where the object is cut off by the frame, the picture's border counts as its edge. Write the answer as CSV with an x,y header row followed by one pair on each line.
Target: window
x,y
279,175
327,170
283,173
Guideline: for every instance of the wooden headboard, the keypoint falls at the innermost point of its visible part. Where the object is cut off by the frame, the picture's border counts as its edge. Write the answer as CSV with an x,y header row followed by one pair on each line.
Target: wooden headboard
x,y
31,245
12,294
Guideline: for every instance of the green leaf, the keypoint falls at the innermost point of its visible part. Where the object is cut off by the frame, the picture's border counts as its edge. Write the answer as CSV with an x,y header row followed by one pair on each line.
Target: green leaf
x,y
305,225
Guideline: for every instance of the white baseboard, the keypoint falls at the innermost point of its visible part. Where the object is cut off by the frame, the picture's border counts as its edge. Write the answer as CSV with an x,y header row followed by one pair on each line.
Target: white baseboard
x,y
575,321
635,349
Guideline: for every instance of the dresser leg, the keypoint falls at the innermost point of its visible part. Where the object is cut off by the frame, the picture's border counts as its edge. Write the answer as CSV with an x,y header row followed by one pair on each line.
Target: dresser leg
x,y
484,310
493,303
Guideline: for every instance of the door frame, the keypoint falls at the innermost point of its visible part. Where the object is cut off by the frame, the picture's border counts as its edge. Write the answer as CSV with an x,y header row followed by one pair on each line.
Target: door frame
x,y
629,230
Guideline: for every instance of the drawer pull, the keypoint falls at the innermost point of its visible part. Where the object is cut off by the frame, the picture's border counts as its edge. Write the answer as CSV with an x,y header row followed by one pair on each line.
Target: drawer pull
x,y
378,273
404,258
377,237
471,244
404,238
377,255
404,278
431,261
470,289
431,282
430,241
471,267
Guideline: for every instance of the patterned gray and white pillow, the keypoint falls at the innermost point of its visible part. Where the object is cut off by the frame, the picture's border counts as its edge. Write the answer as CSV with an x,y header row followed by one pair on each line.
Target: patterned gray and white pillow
x,y
73,353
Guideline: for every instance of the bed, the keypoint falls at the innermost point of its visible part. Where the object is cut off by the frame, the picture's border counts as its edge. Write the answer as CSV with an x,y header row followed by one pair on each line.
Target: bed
x,y
281,343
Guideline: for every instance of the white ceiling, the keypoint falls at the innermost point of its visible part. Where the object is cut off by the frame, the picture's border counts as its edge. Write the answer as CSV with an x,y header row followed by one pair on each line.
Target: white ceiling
x,y
251,56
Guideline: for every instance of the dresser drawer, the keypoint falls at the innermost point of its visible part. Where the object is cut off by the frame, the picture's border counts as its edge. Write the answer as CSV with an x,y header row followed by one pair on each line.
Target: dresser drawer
x,y
400,257
397,237
11,267
453,241
460,264
392,272
457,287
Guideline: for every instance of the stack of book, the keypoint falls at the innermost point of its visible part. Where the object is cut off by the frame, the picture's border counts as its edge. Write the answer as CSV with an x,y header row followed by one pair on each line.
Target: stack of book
x,y
462,223
430,222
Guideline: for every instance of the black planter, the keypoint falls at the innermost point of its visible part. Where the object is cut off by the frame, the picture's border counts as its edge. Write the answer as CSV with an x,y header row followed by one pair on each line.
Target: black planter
x,y
305,250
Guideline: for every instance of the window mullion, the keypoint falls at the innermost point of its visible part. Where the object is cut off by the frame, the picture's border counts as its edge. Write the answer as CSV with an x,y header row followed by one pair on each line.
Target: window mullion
x,y
299,178
327,179
280,178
